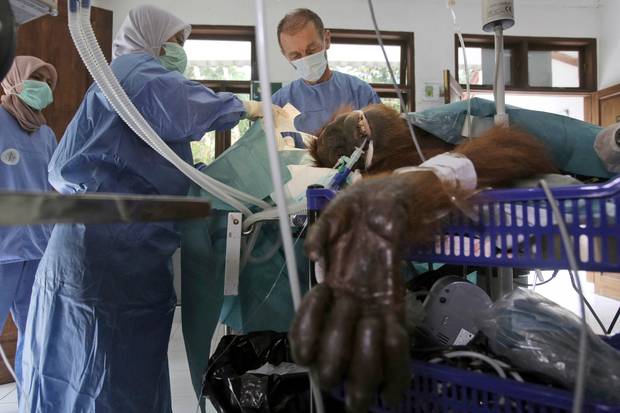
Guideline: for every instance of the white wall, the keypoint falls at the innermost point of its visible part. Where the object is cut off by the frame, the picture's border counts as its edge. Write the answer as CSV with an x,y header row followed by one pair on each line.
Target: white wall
x,y
609,47
428,19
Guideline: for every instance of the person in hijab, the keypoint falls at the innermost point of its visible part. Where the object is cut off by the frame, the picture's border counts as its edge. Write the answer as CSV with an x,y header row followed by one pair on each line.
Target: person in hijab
x,y
103,297
26,147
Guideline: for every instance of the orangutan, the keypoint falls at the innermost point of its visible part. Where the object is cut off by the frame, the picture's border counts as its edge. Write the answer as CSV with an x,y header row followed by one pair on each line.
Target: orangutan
x,y
352,326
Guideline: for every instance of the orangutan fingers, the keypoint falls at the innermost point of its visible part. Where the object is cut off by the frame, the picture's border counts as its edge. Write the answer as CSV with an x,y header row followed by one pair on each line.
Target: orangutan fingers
x,y
366,370
306,330
396,356
337,341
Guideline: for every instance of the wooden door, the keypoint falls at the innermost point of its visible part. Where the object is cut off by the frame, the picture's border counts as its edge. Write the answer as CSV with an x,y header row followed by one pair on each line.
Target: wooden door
x,y
605,106
48,38
8,340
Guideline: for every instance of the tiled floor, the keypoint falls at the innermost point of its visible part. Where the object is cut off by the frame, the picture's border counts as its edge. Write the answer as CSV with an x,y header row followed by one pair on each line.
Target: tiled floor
x,y
184,400
561,291
183,397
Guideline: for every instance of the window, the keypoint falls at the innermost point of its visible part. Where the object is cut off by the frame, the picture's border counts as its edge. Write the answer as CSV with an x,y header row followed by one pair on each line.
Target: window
x,y
553,68
546,74
356,52
481,62
562,104
224,59
219,59
533,64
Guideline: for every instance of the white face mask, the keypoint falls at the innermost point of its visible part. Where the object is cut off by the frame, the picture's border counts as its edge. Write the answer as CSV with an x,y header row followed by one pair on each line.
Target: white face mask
x,y
311,68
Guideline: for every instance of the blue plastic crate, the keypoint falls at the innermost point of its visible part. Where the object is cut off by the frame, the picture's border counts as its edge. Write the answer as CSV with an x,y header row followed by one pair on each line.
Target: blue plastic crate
x,y
516,228
437,388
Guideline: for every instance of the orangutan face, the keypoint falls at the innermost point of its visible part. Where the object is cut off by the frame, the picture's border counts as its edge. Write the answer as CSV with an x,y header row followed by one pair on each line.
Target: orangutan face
x,y
348,130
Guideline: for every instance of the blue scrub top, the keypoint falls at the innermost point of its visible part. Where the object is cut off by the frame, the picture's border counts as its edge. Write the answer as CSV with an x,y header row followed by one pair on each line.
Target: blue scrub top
x,y
318,103
23,167
99,153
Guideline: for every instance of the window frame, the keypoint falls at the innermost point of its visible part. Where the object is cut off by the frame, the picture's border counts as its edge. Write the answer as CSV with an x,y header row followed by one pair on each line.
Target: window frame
x,y
227,33
521,45
406,41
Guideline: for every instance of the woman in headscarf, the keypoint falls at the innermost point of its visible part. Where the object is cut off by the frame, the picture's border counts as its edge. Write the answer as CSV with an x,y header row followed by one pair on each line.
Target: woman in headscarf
x,y
103,297
26,147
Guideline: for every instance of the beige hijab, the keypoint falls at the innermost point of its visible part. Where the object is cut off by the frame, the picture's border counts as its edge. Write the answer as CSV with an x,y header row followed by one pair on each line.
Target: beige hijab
x,y
145,30
23,67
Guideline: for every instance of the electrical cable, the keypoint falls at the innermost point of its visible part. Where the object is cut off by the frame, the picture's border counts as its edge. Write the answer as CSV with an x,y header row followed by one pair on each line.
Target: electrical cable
x,y
266,256
396,86
606,330
451,4
272,214
536,279
472,354
515,375
538,284
580,384
499,366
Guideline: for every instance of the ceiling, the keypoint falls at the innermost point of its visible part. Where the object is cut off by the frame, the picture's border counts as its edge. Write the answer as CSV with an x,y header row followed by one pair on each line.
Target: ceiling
x,y
551,3
563,3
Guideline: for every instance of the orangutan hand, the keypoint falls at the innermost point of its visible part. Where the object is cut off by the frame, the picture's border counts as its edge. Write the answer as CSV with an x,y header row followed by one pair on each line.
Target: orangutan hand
x,y
353,323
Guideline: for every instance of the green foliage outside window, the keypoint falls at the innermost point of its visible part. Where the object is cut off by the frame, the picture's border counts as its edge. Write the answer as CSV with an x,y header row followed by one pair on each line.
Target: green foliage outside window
x,y
372,72
199,70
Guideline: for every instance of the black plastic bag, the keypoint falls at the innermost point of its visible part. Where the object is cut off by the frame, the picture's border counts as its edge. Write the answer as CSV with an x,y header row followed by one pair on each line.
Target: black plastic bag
x,y
231,389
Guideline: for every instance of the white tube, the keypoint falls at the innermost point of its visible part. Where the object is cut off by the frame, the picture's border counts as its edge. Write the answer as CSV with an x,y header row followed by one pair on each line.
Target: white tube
x,y
501,118
276,177
471,354
416,143
274,162
272,213
582,362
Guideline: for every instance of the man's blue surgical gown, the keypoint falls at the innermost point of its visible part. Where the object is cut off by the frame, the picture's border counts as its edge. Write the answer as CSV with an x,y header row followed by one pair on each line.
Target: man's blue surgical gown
x,y
103,298
318,103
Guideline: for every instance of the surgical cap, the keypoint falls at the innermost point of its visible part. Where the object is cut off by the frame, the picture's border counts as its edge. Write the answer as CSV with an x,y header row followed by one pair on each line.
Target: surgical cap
x,y
146,29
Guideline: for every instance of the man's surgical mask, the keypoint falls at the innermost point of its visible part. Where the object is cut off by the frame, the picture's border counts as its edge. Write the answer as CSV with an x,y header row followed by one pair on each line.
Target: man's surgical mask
x,y
36,94
174,57
311,68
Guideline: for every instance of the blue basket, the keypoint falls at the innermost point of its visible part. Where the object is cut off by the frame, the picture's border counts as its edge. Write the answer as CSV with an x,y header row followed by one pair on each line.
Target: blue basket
x,y
516,228
442,389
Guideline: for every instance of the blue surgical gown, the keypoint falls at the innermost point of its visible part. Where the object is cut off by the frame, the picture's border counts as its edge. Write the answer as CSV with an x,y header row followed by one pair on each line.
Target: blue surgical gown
x,y
103,297
318,103
23,167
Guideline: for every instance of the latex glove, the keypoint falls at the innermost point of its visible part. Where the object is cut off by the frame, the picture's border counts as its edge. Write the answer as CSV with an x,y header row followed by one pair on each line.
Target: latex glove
x,y
254,110
353,324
